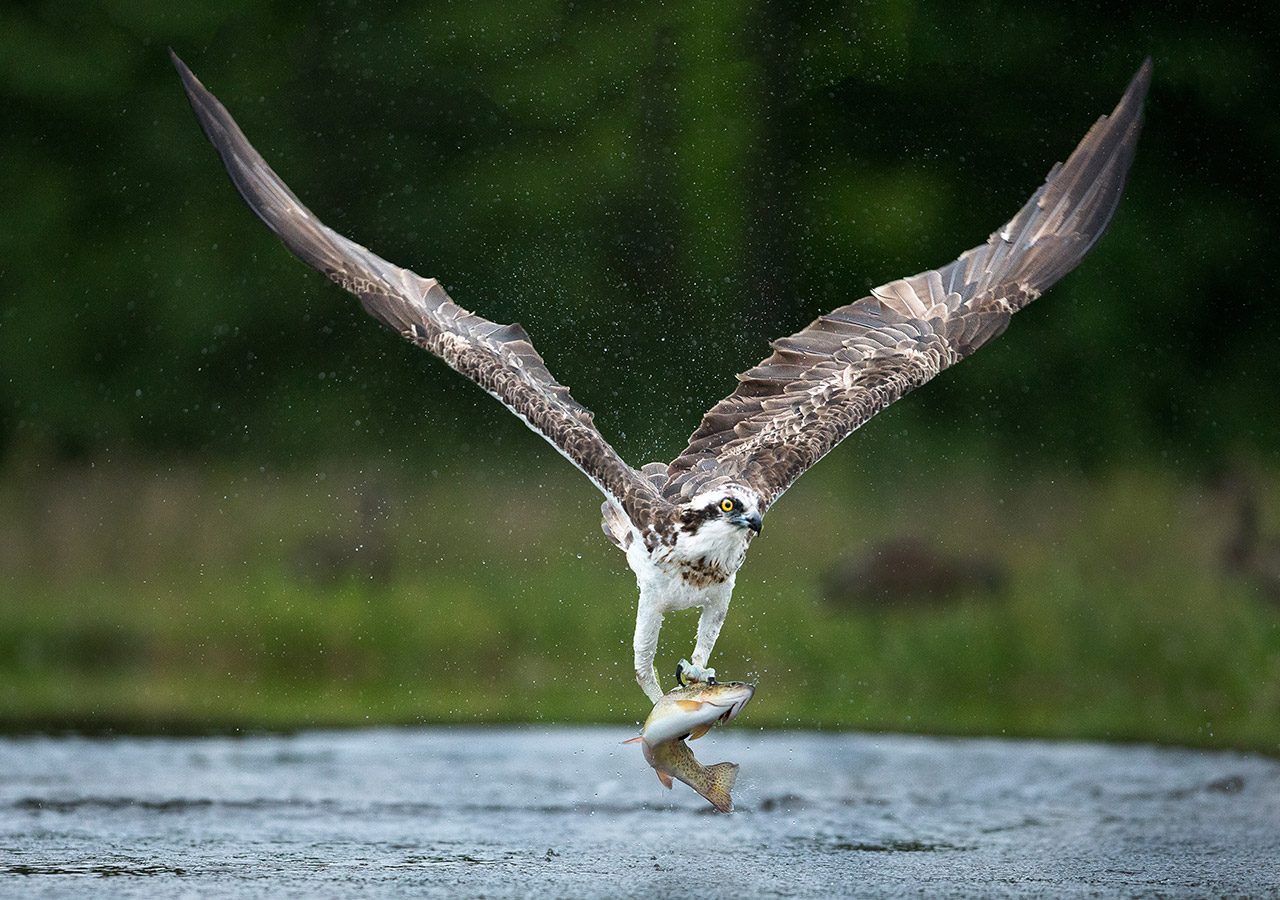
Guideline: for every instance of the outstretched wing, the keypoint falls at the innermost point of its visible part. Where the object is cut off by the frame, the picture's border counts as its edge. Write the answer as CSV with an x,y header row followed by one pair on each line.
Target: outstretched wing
x,y
822,383
499,358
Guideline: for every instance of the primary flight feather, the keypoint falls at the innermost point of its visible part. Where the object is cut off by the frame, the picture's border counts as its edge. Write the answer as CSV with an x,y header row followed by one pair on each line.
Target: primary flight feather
x,y
686,526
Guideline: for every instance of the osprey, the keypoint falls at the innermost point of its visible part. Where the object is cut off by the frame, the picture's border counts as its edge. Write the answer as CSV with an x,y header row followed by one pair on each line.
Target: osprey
x,y
685,526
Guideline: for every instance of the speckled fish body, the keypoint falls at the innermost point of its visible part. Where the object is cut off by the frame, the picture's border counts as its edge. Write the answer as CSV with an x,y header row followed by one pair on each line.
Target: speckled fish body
x,y
687,713
674,759
690,711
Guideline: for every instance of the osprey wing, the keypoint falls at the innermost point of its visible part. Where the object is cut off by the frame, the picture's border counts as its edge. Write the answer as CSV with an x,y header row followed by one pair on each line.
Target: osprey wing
x,y
825,381
499,358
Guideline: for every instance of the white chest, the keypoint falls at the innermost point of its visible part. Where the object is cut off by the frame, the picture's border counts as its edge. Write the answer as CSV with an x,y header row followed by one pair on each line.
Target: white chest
x,y
685,575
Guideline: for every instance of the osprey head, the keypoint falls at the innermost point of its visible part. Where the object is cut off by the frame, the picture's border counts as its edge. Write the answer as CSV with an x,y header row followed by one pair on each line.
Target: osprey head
x,y
715,528
727,512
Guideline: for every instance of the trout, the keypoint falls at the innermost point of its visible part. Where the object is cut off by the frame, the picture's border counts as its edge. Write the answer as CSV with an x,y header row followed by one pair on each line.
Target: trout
x,y
687,713
674,759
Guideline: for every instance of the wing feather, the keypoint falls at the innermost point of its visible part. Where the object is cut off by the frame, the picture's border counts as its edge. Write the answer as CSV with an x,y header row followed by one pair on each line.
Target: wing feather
x,y
499,358
825,381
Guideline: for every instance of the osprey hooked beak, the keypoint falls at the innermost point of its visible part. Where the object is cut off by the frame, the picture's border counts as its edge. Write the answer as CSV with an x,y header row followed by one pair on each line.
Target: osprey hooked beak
x,y
752,521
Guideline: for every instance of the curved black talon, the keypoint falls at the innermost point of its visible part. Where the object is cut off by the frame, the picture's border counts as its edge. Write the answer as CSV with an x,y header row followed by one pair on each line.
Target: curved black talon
x,y
680,680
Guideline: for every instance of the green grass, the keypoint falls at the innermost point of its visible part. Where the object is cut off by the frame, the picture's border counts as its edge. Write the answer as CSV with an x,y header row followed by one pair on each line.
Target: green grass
x,y
139,600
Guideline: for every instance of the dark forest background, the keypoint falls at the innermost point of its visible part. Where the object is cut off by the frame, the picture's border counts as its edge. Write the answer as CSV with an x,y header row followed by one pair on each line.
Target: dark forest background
x,y
654,191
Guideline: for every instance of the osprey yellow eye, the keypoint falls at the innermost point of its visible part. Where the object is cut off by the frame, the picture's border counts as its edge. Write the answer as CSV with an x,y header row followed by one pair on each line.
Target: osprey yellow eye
x,y
726,504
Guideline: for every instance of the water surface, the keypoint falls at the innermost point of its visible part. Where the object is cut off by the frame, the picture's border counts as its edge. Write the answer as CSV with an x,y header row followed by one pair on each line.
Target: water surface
x,y
518,811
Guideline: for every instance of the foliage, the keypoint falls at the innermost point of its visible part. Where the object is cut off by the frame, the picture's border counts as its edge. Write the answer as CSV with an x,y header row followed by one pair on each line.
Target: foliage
x,y
653,191
1117,620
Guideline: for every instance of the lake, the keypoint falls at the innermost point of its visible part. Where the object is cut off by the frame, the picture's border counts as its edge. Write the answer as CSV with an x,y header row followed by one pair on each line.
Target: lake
x,y
570,811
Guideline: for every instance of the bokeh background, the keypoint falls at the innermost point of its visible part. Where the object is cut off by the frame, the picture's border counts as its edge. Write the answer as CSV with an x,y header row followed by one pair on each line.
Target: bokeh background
x,y
228,500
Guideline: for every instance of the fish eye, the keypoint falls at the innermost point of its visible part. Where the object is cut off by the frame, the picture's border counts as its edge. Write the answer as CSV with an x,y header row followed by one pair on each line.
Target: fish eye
x,y
726,505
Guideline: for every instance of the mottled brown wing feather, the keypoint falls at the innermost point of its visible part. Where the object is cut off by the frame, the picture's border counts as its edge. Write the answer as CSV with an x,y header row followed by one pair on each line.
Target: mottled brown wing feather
x,y
825,381
499,358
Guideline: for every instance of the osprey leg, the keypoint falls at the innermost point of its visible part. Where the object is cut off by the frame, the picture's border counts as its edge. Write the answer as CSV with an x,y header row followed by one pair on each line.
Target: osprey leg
x,y
710,621
645,645
709,624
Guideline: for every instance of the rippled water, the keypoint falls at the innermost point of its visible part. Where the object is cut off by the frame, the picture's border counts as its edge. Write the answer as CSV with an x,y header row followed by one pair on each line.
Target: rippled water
x,y
571,811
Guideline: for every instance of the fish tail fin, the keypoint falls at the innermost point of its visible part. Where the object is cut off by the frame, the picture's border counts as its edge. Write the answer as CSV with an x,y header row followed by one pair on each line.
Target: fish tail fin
x,y
720,781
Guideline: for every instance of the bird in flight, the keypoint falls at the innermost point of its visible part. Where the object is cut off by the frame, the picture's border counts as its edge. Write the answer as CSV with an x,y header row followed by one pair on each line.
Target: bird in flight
x,y
685,526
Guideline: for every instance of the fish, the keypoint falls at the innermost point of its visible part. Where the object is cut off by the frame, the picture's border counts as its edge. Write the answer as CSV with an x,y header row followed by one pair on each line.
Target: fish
x,y
674,759
686,714
690,711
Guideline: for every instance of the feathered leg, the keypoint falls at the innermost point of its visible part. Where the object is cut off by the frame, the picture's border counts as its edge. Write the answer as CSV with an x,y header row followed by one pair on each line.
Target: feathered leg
x,y
709,624
710,621
648,625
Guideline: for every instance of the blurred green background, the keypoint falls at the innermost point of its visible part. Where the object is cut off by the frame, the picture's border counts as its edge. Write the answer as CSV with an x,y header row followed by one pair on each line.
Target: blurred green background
x,y
228,500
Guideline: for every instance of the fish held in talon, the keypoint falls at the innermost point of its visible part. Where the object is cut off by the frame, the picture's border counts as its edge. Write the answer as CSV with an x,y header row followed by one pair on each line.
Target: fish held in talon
x,y
687,713
674,759
690,711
